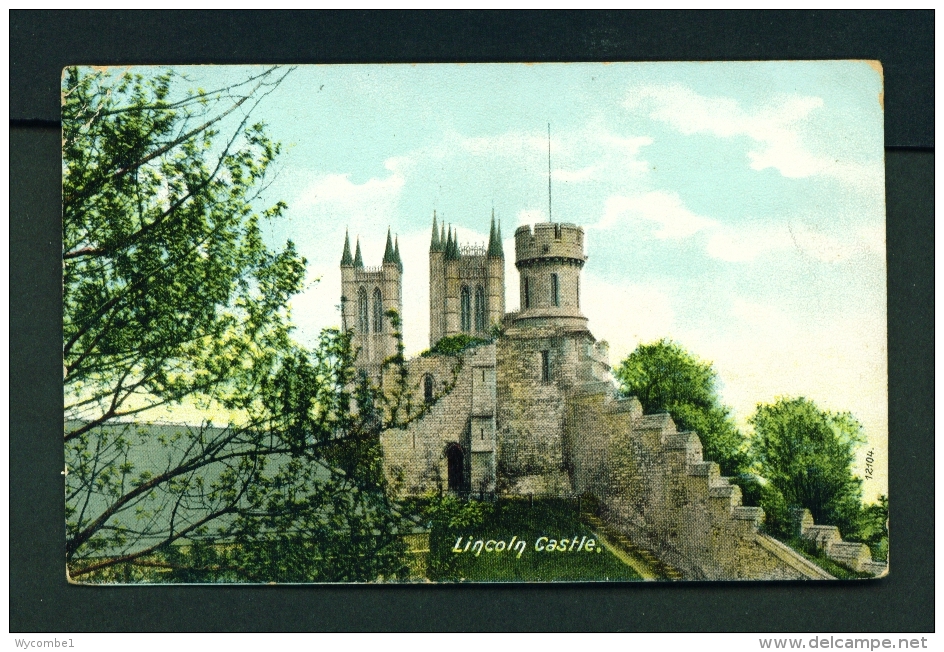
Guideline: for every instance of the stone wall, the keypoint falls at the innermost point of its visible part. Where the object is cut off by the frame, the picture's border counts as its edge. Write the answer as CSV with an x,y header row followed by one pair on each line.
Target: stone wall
x,y
827,540
530,411
574,435
415,456
655,488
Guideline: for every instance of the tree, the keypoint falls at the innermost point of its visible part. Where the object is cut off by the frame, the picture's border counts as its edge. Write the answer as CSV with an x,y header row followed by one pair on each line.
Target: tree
x,y
172,298
667,378
807,455
168,290
873,527
450,517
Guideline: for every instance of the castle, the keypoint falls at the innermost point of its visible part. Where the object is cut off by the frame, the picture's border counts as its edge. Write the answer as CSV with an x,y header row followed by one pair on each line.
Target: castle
x,y
531,409
498,422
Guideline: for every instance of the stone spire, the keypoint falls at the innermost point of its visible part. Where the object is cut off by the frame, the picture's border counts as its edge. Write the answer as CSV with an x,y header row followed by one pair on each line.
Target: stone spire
x,y
436,244
453,252
494,241
388,252
442,236
358,259
346,260
396,253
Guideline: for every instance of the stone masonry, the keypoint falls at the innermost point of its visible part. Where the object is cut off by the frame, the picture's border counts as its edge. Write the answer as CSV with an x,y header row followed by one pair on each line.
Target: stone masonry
x,y
533,410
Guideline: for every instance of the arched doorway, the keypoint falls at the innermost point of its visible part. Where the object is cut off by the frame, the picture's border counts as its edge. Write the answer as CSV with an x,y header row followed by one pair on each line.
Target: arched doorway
x,y
455,465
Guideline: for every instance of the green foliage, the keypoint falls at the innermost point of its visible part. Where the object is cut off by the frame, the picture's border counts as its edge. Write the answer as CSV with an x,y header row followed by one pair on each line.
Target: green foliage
x,y
399,402
445,516
807,455
456,344
778,517
496,331
872,528
303,499
171,297
168,289
667,378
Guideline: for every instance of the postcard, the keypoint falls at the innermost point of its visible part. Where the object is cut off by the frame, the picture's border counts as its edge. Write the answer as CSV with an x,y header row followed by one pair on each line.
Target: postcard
x,y
435,323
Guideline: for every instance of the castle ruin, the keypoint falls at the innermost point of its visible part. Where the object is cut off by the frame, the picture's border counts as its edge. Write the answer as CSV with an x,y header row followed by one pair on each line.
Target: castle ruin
x,y
532,409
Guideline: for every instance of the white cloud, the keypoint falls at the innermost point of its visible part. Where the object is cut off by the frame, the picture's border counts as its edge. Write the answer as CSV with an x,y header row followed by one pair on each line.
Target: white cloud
x,y
746,244
511,143
583,174
531,216
764,353
624,315
585,154
801,236
757,314
335,198
671,219
820,245
776,128
663,208
873,238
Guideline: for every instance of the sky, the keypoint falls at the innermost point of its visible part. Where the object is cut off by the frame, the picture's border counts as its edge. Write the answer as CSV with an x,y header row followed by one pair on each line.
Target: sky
x,y
736,208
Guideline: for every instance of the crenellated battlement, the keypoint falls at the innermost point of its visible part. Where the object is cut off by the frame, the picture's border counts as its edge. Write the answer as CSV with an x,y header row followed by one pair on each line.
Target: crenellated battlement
x,y
536,411
549,241
375,273
549,257
473,251
656,489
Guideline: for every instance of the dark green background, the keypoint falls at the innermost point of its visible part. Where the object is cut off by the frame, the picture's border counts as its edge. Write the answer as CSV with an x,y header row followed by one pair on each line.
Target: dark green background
x,y
41,43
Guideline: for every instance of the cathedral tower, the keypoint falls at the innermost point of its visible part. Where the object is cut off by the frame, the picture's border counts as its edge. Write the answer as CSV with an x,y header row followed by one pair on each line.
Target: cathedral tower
x,y
367,293
466,284
437,283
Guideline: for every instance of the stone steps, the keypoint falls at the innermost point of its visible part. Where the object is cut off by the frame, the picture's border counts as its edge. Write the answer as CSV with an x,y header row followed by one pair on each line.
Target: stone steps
x,y
706,469
679,454
659,569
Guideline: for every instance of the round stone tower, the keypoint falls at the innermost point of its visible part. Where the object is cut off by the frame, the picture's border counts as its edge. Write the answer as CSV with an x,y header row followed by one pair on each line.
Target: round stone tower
x,y
549,260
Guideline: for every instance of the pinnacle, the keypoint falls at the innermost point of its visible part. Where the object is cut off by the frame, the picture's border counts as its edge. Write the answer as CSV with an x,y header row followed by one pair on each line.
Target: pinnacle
x,y
358,259
435,244
494,241
346,260
388,251
454,252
